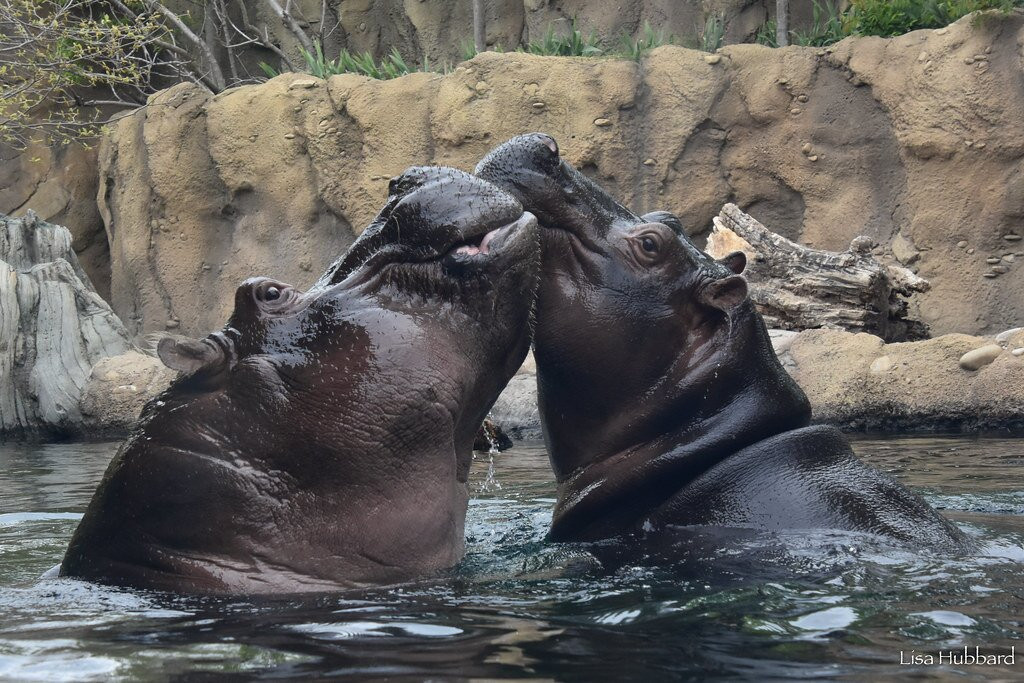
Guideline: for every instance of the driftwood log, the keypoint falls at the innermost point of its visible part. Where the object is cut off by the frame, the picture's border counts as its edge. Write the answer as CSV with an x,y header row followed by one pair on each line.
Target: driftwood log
x,y
53,328
798,288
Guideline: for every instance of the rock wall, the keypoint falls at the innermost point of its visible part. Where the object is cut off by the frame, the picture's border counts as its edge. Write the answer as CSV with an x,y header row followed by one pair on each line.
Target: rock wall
x,y
913,141
53,328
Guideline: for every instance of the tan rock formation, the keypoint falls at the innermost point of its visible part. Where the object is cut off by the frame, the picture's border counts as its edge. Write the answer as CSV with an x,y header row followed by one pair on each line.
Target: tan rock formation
x,y
869,137
118,388
858,381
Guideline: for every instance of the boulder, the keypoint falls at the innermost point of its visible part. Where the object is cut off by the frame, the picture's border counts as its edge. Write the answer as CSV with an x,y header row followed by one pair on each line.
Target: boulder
x,y
53,328
118,388
857,381
515,411
900,140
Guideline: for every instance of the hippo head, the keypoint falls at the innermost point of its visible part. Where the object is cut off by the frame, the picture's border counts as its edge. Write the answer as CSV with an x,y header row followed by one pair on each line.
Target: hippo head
x,y
448,250
324,438
638,332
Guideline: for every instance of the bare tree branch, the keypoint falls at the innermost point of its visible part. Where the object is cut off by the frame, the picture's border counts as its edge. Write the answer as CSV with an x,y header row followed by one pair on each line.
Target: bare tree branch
x,y
216,76
289,21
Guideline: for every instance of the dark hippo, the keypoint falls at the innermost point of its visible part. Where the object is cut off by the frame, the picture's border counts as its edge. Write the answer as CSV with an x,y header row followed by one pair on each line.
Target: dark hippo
x,y
322,439
661,398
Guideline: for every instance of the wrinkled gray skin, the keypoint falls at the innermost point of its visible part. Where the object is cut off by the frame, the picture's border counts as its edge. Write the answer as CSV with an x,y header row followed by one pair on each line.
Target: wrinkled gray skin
x,y
661,398
322,439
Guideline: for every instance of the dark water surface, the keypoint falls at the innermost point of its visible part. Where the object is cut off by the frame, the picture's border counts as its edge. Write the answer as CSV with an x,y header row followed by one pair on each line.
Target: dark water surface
x,y
829,605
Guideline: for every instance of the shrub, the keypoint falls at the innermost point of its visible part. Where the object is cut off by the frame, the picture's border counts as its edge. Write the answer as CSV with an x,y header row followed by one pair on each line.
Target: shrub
x,y
391,66
827,26
713,34
895,17
635,48
766,35
572,45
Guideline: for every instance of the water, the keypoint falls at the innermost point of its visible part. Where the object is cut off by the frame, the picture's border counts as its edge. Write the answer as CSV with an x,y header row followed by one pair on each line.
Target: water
x,y
828,606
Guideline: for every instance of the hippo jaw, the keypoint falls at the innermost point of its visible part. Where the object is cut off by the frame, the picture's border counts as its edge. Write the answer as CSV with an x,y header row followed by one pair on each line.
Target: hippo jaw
x,y
441,231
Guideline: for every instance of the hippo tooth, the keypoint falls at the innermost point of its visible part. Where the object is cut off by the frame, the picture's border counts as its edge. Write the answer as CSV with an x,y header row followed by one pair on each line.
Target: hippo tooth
x,y
486,241
468,249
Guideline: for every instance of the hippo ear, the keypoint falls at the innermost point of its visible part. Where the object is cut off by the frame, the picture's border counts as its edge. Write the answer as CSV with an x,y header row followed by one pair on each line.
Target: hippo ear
x,y
725,294
190,355
736,261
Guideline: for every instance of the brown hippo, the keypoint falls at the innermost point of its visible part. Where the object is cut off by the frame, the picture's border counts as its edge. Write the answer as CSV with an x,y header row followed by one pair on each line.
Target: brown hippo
x,y
662,401
322,439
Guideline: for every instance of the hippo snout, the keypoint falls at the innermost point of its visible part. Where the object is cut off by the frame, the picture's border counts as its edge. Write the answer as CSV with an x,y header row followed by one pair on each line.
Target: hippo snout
x,y
536,152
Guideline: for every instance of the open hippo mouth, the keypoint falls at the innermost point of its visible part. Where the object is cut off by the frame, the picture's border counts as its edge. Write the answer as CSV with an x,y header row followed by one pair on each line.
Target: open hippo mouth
x,y
439,223
482,248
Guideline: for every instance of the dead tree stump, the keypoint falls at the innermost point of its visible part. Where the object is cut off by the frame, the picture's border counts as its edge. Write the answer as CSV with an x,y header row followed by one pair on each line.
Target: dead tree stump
x,y
798,288
53,328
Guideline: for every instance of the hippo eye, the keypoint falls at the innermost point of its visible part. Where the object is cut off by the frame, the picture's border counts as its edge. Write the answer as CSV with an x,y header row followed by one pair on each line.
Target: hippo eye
x,y
272,294
648,244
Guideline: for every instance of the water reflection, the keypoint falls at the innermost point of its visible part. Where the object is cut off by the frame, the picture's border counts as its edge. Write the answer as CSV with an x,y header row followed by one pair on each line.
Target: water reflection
x,y
813,606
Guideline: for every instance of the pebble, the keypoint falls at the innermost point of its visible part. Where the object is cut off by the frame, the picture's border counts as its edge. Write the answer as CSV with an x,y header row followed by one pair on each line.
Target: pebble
x,y
539,105
979,358
1005,335
813,157
962,243
302,83
1009,258
1012,238
794,110
171,324
806,149
802,98
289,136
968,60
649,162
782,340
602,123
1018,352
993,260
923,57
712,59
971,250
1000,269
980,58
989,275
881,365
979,145
941,31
